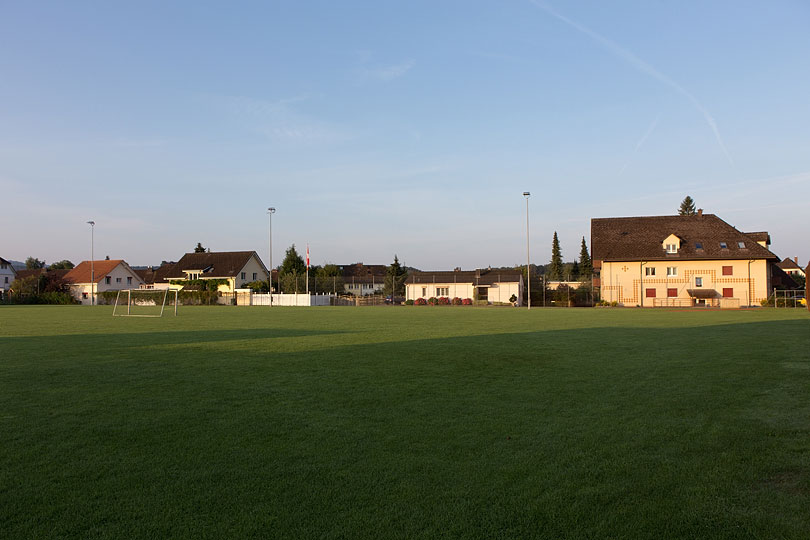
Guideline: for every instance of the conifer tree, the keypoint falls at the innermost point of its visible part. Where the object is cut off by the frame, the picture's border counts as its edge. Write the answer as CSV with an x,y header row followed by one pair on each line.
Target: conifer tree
x,y
556,267
687,207
585,262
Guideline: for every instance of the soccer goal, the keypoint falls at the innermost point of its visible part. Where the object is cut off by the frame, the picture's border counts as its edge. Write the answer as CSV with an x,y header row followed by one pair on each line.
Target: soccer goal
x,y
144,302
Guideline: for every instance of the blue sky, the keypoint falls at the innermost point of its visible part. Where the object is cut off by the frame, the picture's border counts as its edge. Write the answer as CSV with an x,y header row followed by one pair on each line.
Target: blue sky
x,y
412,128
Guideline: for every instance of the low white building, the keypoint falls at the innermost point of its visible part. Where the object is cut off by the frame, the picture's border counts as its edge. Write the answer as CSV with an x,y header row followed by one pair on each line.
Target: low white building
x,y
494,286
7,275
101,276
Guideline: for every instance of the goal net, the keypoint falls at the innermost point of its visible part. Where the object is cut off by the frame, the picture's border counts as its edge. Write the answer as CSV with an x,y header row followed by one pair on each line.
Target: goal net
x,y
144,302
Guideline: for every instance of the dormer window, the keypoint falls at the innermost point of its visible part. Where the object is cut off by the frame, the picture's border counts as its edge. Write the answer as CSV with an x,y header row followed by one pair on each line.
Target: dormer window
x,y
723,245
671,244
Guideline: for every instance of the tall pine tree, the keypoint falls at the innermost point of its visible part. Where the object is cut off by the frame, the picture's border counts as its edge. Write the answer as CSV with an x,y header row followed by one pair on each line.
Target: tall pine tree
x,y
687,207
555,269
395,279
585,262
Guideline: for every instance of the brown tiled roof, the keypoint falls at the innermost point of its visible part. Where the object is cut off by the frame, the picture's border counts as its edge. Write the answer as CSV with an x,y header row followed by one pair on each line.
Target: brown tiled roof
x,y
58,273
641,239
479,277
153,275
222,264
760,236
361,273
789,264
82,272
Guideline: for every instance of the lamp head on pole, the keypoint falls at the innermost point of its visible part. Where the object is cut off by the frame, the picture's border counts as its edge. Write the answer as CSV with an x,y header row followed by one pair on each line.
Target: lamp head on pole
x,y
91,223
271,210
526,193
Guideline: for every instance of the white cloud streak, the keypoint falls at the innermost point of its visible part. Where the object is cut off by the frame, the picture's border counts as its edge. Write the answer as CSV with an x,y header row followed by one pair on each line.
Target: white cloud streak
x,y
641,141
642,66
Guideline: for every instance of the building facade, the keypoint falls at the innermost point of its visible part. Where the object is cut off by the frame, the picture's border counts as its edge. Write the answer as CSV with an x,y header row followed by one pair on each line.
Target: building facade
x,y
680,261
492,286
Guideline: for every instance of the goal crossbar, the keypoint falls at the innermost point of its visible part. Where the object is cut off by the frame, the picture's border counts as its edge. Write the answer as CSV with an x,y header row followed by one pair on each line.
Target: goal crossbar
x,y
160,299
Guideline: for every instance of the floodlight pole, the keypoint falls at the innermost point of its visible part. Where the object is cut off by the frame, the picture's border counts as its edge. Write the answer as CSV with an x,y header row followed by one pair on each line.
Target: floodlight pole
x,y
528,269
270,212
92,264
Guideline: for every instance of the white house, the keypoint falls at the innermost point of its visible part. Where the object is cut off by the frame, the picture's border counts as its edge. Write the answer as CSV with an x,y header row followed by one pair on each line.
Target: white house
x,y
494,286
7,276
108,275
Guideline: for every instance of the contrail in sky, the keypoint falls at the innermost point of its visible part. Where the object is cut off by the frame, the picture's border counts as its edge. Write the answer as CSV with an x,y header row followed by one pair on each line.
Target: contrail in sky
x,y
642,140
640,65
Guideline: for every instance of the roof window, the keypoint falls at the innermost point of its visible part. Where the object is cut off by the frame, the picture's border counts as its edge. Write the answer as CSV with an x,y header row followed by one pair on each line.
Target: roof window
x,y
723,245
741,245
698,245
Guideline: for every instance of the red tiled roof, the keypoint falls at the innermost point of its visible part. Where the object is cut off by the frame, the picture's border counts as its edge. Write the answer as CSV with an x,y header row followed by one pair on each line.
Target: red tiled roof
x,y
82,272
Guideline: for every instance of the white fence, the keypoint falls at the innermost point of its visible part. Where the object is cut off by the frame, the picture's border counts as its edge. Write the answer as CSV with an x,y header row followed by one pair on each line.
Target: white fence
x,y
290,300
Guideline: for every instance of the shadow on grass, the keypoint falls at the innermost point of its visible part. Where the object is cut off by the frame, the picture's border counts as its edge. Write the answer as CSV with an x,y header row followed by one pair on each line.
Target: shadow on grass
x,y
581,433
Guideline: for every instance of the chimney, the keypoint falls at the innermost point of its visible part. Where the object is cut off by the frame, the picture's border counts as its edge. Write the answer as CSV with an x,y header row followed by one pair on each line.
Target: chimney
x,y
796,260
700,212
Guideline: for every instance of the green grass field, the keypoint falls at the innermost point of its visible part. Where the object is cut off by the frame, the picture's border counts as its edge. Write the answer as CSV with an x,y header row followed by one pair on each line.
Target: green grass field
x,y
411,422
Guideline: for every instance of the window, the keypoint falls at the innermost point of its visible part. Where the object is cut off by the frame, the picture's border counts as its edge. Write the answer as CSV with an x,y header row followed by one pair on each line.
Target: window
x,y
129,281
741,245
254,276
84,296
672,293
118,280
649,293
243,275
672,271
649,271
672,248
723,245
698,282
424,291
442,291
107,280
728,270
6,279
698,245
728,292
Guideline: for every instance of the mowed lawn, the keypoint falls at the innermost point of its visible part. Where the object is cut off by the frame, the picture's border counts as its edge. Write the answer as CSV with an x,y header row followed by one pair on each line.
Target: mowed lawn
x,y
404,422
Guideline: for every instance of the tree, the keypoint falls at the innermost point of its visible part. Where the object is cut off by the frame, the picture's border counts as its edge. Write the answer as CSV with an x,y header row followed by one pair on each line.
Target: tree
x,y
556,267
328,278
395,278
687,207
291,268
585,262
199,248
61,265
32,264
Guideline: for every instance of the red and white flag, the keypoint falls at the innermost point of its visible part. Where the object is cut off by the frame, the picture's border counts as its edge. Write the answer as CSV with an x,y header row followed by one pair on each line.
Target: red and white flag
x,y
307,255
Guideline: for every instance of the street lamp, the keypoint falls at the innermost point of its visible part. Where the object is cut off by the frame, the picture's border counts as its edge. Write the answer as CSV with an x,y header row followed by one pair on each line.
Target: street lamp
x,y
528,270
270,212
92,266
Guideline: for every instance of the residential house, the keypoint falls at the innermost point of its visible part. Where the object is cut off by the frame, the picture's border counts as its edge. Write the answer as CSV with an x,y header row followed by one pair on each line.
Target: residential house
x,y
363,279
494,286
7,276
791,267
236,268
100,276
155,277
680,261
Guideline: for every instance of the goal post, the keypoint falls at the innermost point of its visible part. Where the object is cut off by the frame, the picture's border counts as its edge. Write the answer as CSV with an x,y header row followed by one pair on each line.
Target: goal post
x,y
144,302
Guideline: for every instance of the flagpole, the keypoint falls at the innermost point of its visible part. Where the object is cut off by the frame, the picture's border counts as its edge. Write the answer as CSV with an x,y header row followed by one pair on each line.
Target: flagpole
x,y
307,269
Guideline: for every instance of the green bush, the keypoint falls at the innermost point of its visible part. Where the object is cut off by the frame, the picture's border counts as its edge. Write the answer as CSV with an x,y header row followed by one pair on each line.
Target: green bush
x,y
408,302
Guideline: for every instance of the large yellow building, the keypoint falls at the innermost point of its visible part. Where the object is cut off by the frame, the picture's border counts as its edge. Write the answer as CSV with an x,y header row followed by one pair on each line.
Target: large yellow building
x,y
680,261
